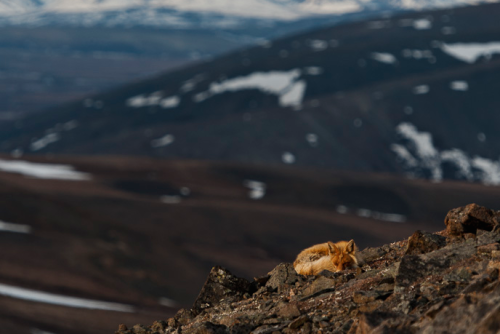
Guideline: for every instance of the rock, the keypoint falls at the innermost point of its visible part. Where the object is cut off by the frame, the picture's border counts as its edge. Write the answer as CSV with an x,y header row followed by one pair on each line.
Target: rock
x,y
469,219
283,275
159,326
182,317
289,311
207,328
364,297
122,327
297,323
321,284
220,284
371,254
485,249
423,242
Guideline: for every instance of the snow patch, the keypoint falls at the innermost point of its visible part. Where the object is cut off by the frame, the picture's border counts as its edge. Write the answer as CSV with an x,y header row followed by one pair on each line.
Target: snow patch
x,y
163,141
313,70
257,189
50,298
171,199
288,158
420,90
318,45
471,52
45,141
43,171
170,102
385,58
284,84
459,85
422,24
14,228
420,155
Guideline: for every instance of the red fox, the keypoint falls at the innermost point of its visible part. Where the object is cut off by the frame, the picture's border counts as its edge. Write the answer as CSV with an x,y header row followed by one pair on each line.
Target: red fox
x,y
328,256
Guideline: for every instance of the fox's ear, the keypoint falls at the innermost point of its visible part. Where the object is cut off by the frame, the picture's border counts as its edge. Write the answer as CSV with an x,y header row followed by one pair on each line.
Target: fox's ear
x,y
350,248
332,248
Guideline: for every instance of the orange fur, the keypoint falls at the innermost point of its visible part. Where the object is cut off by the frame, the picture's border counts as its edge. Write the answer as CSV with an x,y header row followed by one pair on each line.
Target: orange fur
x,y
327,256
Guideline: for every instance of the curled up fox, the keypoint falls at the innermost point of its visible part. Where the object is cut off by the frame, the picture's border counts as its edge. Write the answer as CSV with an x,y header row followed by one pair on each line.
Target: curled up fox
x,y
327,256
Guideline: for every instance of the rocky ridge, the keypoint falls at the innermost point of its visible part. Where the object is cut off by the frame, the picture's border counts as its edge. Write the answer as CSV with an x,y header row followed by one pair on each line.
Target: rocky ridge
x,y
430,283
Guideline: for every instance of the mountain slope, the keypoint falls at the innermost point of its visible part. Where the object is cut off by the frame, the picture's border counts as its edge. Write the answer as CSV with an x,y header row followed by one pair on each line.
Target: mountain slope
x,y
414,94
142,233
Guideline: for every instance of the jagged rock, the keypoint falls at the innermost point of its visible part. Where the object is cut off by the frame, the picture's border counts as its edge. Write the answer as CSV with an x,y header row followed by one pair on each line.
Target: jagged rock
x,y
289,311
297,323
364,297
423,242
371,254
219,285
281,277
470,218
420,285
207,328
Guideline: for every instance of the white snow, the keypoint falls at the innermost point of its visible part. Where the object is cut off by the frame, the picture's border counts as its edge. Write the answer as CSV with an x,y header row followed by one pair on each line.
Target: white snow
x,y
342,209
50,298
420,154
404,155
391,217
383,57
142,100
318,44
459,85
45,141
313,70
471,52
421,89
421,143
422,24
163,141
418,54
294,95
43,171
481,137
312,139
489,170
257,189
170,102
14,228
284,84
448,30
185,191
168,302
191,84
461,161
39,331
288,158
171,199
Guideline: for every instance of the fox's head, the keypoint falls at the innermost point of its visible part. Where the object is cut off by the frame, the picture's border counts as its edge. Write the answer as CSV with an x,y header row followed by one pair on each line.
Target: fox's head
x,y
343,254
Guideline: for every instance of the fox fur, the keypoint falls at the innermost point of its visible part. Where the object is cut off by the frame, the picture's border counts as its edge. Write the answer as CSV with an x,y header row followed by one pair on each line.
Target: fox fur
x,y
327,256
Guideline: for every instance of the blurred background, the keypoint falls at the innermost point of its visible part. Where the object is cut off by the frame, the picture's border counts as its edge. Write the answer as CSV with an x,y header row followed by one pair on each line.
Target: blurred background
x,y
144,141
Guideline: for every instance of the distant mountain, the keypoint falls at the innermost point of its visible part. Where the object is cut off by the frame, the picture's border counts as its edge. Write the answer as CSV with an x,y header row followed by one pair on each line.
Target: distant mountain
x,y
194,14
415,95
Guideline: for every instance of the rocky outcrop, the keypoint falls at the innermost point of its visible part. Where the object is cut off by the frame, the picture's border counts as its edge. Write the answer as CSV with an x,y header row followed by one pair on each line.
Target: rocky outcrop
x,y
446,282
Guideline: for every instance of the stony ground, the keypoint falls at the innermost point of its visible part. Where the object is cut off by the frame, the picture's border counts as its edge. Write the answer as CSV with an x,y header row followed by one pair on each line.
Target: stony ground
x,y
447,282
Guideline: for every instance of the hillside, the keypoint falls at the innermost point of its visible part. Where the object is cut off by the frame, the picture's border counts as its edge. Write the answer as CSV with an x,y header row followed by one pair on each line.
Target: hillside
x,y
135,237
447,282
420,88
